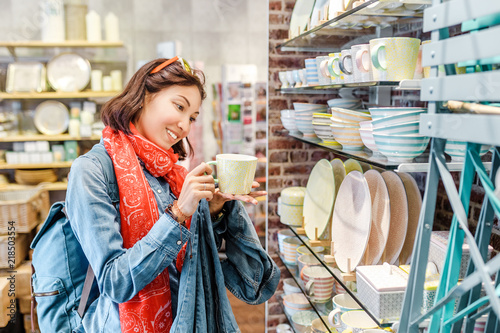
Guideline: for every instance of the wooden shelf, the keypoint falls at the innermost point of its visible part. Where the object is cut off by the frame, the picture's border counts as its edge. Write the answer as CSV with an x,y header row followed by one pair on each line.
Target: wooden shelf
x,y
57,95
56,165
76,43
57,186
42,137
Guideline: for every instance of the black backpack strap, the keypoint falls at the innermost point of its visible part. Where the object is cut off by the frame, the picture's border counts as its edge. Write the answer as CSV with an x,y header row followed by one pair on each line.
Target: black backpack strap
x,y
109,173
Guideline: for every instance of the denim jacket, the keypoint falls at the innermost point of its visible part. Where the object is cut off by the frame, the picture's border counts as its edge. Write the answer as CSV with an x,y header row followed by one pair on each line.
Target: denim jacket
x,y
201,303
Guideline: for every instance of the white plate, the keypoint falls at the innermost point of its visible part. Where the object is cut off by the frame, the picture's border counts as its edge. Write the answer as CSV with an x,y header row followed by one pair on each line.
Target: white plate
x,y
318,12
51,118
414,207
351,221
381,217
338,173
319,198
68,72
300,17
399,217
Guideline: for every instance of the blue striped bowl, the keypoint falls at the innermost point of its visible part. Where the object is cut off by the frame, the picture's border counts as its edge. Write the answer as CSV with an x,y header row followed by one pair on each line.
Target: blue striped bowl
x,y
398,119
403,128
401,148
378,113
457,150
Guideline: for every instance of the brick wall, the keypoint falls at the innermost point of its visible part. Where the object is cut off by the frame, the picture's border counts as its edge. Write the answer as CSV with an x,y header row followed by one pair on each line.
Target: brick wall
x,y
291,161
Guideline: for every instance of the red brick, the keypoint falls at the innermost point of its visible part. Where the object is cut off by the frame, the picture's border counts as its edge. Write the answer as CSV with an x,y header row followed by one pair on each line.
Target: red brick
x,y
275,309
297,169
292,182
477,194
277,105
275,5
278,34
278,130
299,156
286,63
276,19
285,144
274,171
318,155
274,183
279,157
289,4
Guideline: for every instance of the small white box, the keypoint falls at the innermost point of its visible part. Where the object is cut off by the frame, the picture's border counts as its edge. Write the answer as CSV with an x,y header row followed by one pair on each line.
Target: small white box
x,y
12,157
35,158
42,146
46,157
381,288
30,146
18,146
438,247
24,158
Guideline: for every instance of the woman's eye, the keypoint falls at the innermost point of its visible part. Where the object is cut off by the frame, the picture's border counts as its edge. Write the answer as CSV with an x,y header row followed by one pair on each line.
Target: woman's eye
x,y
179,107
192,119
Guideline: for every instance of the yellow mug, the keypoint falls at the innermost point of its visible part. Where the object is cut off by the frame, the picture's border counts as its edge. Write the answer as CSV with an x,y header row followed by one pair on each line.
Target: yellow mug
x,y
235,172
394,58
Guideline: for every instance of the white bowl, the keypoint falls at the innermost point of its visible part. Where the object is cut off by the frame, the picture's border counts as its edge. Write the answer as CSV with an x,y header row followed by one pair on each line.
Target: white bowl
x,y
350,115
368,140
348,137
309,106
290,286
344,103
457,150
378,113
398,119
287,113
401,148
367,125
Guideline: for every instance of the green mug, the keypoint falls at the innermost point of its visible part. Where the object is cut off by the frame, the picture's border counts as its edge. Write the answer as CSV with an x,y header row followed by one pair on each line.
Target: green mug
x,y
235,172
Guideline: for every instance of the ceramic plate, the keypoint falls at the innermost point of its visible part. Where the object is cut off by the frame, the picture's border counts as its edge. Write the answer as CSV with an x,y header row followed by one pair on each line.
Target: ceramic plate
x,y
318,201
381,217
338,173
51,118
351,221
399,217
68,72
414,207
300,16
351,165
318,12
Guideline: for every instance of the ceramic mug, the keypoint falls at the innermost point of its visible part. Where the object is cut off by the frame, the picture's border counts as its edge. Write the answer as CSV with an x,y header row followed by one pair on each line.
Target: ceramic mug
x,y
323,74
394,58
319,283
296,77
317,325
334,68
236,172
341,304
311,72
346,66
356,321
362,68
290,78
303,77
283,80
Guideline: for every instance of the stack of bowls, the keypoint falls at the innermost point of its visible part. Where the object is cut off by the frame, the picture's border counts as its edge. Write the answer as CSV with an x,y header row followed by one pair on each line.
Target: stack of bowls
x,y
366,133
295,303
288,121
458,149
346,103
345,127
290,286
321,124
395,131
304,117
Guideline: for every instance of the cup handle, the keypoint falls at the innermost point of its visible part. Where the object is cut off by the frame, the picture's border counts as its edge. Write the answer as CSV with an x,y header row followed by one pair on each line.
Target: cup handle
x,y
331,66
332,320
310,287
375,57
213,163
324,69
359,61
342,66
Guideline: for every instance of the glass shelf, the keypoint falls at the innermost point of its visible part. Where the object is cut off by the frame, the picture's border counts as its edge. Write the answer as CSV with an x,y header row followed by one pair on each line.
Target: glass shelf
x,y
358,25
337,279
321,309
288,317
328,89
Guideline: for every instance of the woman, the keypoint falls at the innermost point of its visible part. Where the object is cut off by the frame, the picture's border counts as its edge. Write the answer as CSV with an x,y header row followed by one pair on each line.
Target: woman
x,y
154,251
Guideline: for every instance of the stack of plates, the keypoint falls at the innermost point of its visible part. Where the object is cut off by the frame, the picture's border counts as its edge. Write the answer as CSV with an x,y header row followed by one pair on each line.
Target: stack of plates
x,y
34,177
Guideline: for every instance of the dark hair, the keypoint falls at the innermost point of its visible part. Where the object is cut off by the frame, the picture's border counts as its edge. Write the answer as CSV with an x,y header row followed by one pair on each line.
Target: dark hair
x,y
127,107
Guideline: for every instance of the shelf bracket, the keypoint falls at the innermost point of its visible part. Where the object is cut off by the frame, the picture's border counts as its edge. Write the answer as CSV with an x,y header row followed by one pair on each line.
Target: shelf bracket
x,y
380,95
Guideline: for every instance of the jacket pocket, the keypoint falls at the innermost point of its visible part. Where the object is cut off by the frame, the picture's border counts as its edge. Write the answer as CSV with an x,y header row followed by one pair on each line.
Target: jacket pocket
x,y
52,300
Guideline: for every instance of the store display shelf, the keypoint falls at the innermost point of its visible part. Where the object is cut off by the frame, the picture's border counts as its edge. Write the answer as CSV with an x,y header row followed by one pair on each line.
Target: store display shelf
x,y
58,95
69,43
338,280
357,26
56,186
56,165
295,276
43,137
365,155
279,298
328,89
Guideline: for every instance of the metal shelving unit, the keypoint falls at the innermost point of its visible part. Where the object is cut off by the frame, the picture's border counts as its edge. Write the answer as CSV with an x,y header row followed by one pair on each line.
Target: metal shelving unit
x,y
480,22
371,19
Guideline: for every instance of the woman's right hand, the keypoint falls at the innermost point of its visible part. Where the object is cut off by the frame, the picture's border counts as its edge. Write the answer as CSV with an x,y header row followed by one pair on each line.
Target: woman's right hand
x,y
199,184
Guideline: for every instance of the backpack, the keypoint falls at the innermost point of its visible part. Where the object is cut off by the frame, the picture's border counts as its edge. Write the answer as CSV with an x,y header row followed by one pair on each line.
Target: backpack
x,y
60,268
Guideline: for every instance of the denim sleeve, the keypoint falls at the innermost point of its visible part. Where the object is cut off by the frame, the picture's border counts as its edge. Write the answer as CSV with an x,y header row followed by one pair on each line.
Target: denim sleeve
x,y
121,273
249,272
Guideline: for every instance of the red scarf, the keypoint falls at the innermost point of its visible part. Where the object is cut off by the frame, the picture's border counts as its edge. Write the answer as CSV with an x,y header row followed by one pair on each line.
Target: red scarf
x,y
151,309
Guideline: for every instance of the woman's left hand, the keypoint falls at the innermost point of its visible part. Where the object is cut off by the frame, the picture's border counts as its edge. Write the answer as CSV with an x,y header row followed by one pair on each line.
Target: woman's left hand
x,y
220,198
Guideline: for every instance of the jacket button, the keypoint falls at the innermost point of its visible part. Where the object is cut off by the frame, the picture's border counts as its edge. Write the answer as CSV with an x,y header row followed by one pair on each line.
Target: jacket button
x,y
179,242
159,191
